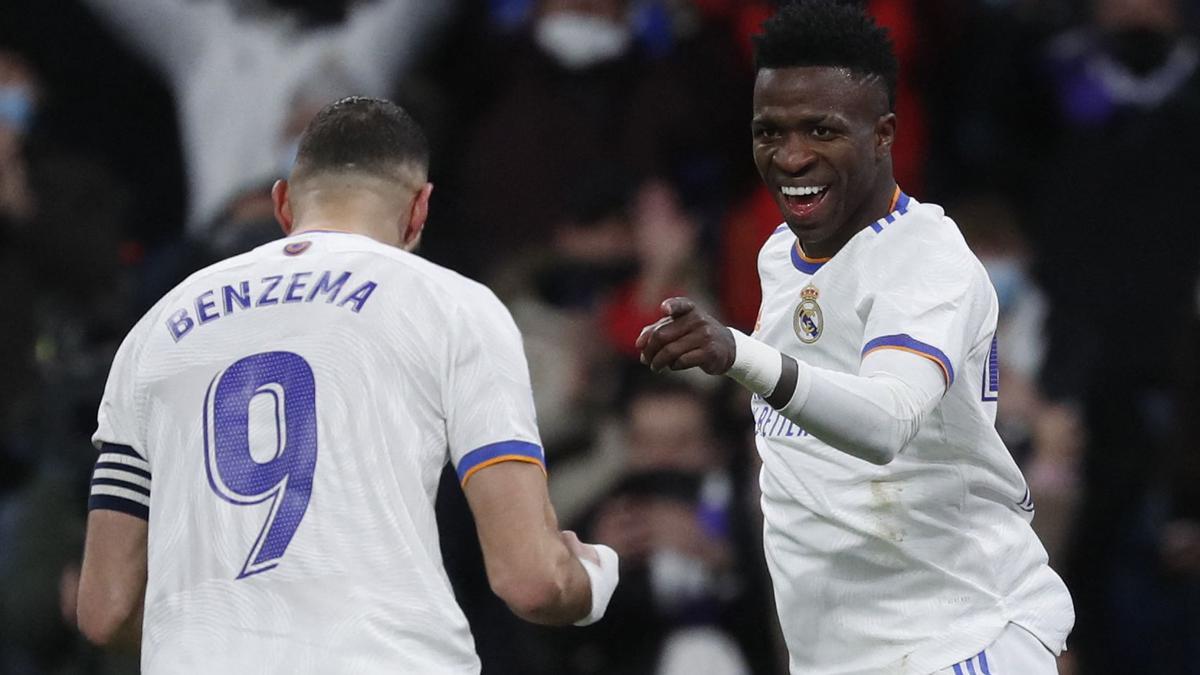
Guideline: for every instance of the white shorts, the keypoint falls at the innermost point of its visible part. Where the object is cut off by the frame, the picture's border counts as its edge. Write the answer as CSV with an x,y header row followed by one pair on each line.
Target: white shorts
x,y
1015,652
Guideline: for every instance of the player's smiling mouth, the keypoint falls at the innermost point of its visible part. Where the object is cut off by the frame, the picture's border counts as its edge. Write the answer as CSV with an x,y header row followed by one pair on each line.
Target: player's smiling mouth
x,y
802,200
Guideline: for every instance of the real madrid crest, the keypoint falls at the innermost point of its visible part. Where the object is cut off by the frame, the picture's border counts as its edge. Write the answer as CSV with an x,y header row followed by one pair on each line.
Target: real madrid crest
x,y
808,320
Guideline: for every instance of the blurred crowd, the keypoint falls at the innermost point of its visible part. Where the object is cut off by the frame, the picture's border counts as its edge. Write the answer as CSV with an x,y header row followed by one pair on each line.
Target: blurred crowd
x,y
591,158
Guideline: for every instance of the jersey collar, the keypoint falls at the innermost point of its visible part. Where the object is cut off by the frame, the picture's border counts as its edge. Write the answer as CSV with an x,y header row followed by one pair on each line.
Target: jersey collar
x,y
898,207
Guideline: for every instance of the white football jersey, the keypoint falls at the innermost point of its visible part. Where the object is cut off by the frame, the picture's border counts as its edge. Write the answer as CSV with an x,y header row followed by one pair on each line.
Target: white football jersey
x,y
915,565
283,417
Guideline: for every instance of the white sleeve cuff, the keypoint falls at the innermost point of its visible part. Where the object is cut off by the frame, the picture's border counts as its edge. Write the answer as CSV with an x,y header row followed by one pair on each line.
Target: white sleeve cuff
x,y
603,580
756,366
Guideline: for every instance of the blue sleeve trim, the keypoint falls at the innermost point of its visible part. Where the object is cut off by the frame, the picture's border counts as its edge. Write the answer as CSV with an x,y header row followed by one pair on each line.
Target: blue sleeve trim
x,y
908,343
497,452
113,503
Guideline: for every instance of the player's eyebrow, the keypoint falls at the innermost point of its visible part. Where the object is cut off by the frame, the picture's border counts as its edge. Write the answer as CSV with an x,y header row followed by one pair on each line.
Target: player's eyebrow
x,y
782,117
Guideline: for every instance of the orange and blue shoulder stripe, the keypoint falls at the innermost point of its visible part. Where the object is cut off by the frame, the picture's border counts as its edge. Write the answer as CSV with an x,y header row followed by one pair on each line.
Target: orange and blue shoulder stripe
x,y
495,453
907,343
898,207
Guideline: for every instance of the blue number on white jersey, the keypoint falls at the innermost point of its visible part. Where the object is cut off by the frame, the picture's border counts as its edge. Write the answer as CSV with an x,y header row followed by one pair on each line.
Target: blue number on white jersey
x,y
287,477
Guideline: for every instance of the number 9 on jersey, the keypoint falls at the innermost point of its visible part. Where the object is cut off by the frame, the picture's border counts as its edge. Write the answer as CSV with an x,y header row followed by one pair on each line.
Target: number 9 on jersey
x,y
286,476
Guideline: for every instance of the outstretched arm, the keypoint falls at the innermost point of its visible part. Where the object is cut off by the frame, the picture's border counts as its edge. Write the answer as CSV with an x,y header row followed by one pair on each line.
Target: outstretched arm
x,y
871,415
542,574
382,39
170,33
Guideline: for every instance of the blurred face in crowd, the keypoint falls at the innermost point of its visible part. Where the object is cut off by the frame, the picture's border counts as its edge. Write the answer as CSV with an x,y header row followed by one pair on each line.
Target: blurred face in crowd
x,y
669,431
582,33
1140,34
609,9
18,100
603,242
1156,15
822,144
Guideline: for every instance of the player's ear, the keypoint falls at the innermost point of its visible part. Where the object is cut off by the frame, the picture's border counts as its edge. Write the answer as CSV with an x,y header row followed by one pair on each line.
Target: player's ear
x,y
283,208
885,135
417,215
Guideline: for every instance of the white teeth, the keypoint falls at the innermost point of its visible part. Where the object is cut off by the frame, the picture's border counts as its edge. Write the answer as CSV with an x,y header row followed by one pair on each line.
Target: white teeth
x,y
803,191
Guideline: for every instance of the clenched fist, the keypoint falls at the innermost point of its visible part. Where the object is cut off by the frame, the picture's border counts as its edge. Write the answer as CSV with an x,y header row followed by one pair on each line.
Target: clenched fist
x,y
686,338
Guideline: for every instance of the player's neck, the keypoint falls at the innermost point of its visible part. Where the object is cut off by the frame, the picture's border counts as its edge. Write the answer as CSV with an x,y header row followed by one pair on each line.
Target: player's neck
x,y
340,209
876,206
349,222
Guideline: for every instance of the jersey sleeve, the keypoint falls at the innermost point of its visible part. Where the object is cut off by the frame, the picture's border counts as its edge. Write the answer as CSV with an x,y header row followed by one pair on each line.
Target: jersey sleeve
x,y
490,416
921,295
117,421
121,481
121,478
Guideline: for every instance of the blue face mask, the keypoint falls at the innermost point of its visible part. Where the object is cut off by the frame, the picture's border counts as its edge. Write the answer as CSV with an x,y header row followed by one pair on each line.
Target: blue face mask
x,y
16,108
1008,277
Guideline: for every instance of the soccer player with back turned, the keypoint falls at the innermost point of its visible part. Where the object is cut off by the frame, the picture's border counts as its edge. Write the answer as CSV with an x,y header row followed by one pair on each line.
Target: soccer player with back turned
x,y
273,430
896,522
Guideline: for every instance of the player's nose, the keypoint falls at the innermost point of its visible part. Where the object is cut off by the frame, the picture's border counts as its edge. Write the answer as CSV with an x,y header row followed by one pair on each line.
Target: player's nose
x,y
794,156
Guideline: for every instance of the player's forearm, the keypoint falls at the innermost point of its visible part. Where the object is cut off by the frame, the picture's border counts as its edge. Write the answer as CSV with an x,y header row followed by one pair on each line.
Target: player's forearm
x,y
127,639
870,417
558,596
112,579
106,621
572,598
544,575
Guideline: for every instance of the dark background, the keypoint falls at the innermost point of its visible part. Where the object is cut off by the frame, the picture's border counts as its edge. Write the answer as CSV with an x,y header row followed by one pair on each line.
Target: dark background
x,y
1062,136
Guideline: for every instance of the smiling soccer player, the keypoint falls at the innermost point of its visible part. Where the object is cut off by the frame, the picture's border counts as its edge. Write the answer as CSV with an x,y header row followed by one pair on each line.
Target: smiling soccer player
x,y
897,524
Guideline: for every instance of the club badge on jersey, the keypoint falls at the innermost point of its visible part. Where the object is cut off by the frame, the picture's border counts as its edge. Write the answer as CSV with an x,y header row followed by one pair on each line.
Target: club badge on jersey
x,y
808,319
296,248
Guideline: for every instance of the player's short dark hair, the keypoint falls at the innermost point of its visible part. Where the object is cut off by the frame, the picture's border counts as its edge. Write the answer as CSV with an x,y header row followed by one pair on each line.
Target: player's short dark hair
x,y
361,134
836,33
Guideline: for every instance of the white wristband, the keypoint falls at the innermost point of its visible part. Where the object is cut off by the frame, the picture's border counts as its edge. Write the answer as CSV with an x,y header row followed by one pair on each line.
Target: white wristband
x,y
756,366
603,580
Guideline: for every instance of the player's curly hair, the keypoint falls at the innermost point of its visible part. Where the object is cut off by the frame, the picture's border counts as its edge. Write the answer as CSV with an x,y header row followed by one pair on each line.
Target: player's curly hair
x,y
836,33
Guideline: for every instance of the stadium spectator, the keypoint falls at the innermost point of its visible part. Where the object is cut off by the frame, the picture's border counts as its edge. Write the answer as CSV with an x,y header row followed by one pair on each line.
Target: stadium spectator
x,y
60,245
1117,256
60,242
247,220
666,242
1044,437
236,67
18,101
1073,119
1179,542
672,518
572,90
554,291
